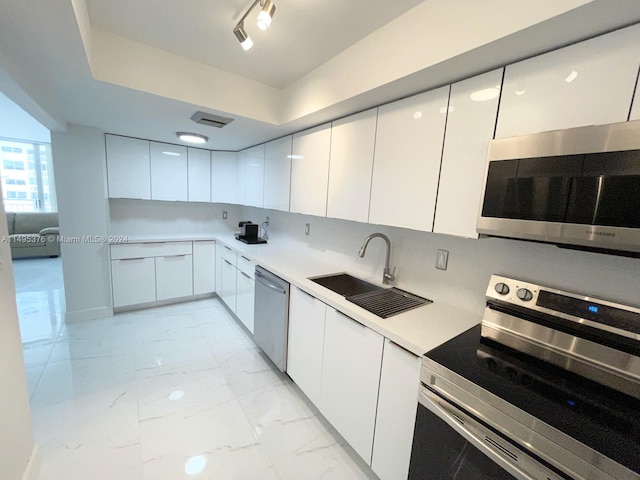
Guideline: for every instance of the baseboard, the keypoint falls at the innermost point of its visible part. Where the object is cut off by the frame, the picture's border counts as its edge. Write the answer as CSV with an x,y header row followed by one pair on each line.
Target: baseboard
x,y
88,314
33,467
162,303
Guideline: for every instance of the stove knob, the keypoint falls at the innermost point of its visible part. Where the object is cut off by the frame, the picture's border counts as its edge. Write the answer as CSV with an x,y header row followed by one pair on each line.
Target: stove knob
x,y
502,288
524,294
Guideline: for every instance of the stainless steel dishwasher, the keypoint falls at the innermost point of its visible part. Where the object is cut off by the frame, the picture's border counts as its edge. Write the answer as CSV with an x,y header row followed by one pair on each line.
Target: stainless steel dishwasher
x,y
271,320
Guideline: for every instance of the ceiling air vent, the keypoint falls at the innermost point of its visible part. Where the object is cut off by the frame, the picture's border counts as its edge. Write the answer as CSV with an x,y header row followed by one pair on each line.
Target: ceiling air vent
x,y
210,120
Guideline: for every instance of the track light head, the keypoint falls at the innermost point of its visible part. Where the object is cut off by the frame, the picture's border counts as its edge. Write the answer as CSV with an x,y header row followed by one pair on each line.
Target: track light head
x,y
245,40
266,14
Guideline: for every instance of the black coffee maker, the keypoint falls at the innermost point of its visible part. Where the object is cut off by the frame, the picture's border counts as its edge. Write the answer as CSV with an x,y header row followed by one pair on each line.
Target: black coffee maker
x,y
249,233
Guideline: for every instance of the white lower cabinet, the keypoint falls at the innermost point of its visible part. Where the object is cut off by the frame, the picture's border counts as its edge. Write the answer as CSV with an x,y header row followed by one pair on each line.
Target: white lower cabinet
x,y
228,288
350,379
245,299
133,281
395,420
204,267
305,342
245,288
174,277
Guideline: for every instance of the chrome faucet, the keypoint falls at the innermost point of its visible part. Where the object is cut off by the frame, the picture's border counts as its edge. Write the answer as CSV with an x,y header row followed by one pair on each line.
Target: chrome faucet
x,y
387,276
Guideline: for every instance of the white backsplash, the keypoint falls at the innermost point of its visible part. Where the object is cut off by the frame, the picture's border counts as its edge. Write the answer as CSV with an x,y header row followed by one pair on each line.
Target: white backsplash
x,y
471,261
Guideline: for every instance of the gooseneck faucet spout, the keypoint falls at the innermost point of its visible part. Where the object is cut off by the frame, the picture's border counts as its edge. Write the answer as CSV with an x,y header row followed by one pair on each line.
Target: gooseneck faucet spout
x,y
387,276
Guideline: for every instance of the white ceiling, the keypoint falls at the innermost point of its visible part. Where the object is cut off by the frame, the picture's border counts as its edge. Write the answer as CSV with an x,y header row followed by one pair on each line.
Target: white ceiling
x,y
304,33
142,67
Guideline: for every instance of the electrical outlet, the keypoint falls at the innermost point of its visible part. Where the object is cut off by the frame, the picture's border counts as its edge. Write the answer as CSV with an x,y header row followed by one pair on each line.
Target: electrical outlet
x,y
224,215
306,228
442,259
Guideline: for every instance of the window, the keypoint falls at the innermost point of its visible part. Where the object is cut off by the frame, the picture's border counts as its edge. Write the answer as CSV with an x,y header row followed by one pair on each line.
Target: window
x,y
27,167
13,181
12,165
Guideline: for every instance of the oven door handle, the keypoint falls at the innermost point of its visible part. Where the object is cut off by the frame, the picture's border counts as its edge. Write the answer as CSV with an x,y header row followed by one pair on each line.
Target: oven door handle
x,y
483,441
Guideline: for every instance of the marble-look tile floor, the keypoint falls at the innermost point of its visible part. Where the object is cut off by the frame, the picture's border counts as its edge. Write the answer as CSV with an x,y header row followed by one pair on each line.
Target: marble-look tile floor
x,y
175,392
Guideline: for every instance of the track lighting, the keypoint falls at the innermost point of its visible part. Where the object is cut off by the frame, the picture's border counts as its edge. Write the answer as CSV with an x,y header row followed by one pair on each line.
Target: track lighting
x,y
245,40
267,10
266,15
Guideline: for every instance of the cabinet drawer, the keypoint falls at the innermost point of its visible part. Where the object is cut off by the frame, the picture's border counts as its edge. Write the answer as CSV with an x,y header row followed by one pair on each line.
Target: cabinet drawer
x,y
229,255
246,265
150,249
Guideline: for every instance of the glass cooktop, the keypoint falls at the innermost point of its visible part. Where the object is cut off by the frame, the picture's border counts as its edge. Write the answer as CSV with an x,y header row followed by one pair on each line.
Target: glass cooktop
x,y
602,418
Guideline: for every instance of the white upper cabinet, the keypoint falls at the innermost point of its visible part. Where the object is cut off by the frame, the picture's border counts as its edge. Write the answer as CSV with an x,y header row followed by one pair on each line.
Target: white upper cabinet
x,y
254,176
241,178
350,170
589,83
473,107
199,172
168,172
635,110
128,170
408,149
224,177
277,174
310,170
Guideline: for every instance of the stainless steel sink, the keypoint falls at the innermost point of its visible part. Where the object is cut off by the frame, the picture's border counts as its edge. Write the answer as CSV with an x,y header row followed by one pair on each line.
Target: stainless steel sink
x,y
345,284
383,302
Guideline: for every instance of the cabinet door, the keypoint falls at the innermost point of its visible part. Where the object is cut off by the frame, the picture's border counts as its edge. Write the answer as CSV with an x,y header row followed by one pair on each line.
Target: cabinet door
x,y
277,174
133,281
396,417
168,172
241,178
470,126
310,171
174,276
254,176
408,149
219,262
199,174
228,284
351,360
588,83
306,342
224,177
204,267
245,299
128,168
351,166
635,109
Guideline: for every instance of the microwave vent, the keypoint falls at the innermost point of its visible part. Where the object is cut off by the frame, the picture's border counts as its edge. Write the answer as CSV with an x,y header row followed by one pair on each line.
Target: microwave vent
x,y
210,120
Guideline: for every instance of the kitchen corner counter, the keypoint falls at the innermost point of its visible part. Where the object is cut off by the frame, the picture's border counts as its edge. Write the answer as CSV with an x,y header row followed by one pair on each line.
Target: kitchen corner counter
x,y
418,330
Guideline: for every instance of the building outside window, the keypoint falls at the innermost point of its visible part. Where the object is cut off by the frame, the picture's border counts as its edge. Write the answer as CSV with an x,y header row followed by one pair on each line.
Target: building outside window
x,y
27,176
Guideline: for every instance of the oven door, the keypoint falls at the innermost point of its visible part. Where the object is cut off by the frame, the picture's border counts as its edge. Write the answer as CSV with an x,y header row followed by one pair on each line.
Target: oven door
x,y
450,444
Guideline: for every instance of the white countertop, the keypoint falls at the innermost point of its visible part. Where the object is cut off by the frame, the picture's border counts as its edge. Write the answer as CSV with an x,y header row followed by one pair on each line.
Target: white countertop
x,y
418,330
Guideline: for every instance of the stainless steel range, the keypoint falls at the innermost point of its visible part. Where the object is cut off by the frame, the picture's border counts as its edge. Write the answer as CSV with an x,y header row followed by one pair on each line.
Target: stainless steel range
x,y
547,387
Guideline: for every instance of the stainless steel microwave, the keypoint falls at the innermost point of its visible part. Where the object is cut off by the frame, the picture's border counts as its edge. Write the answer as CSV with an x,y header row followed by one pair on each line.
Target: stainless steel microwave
x,y
578,187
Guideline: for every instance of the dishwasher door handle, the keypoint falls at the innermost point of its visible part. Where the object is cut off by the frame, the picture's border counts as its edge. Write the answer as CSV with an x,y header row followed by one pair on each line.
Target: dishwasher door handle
x,y
264,282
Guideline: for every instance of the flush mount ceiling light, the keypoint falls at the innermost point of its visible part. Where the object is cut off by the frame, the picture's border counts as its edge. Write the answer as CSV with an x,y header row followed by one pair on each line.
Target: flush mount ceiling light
x,y
192,137
267,10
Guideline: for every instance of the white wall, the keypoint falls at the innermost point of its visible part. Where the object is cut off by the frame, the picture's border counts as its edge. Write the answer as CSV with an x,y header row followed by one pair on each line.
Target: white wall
x,y
16,438
471,262
80,166
17,124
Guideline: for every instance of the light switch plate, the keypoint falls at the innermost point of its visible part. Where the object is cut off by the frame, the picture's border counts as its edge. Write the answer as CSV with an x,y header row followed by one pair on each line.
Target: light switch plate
x,y
306,228
442,258
224,215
